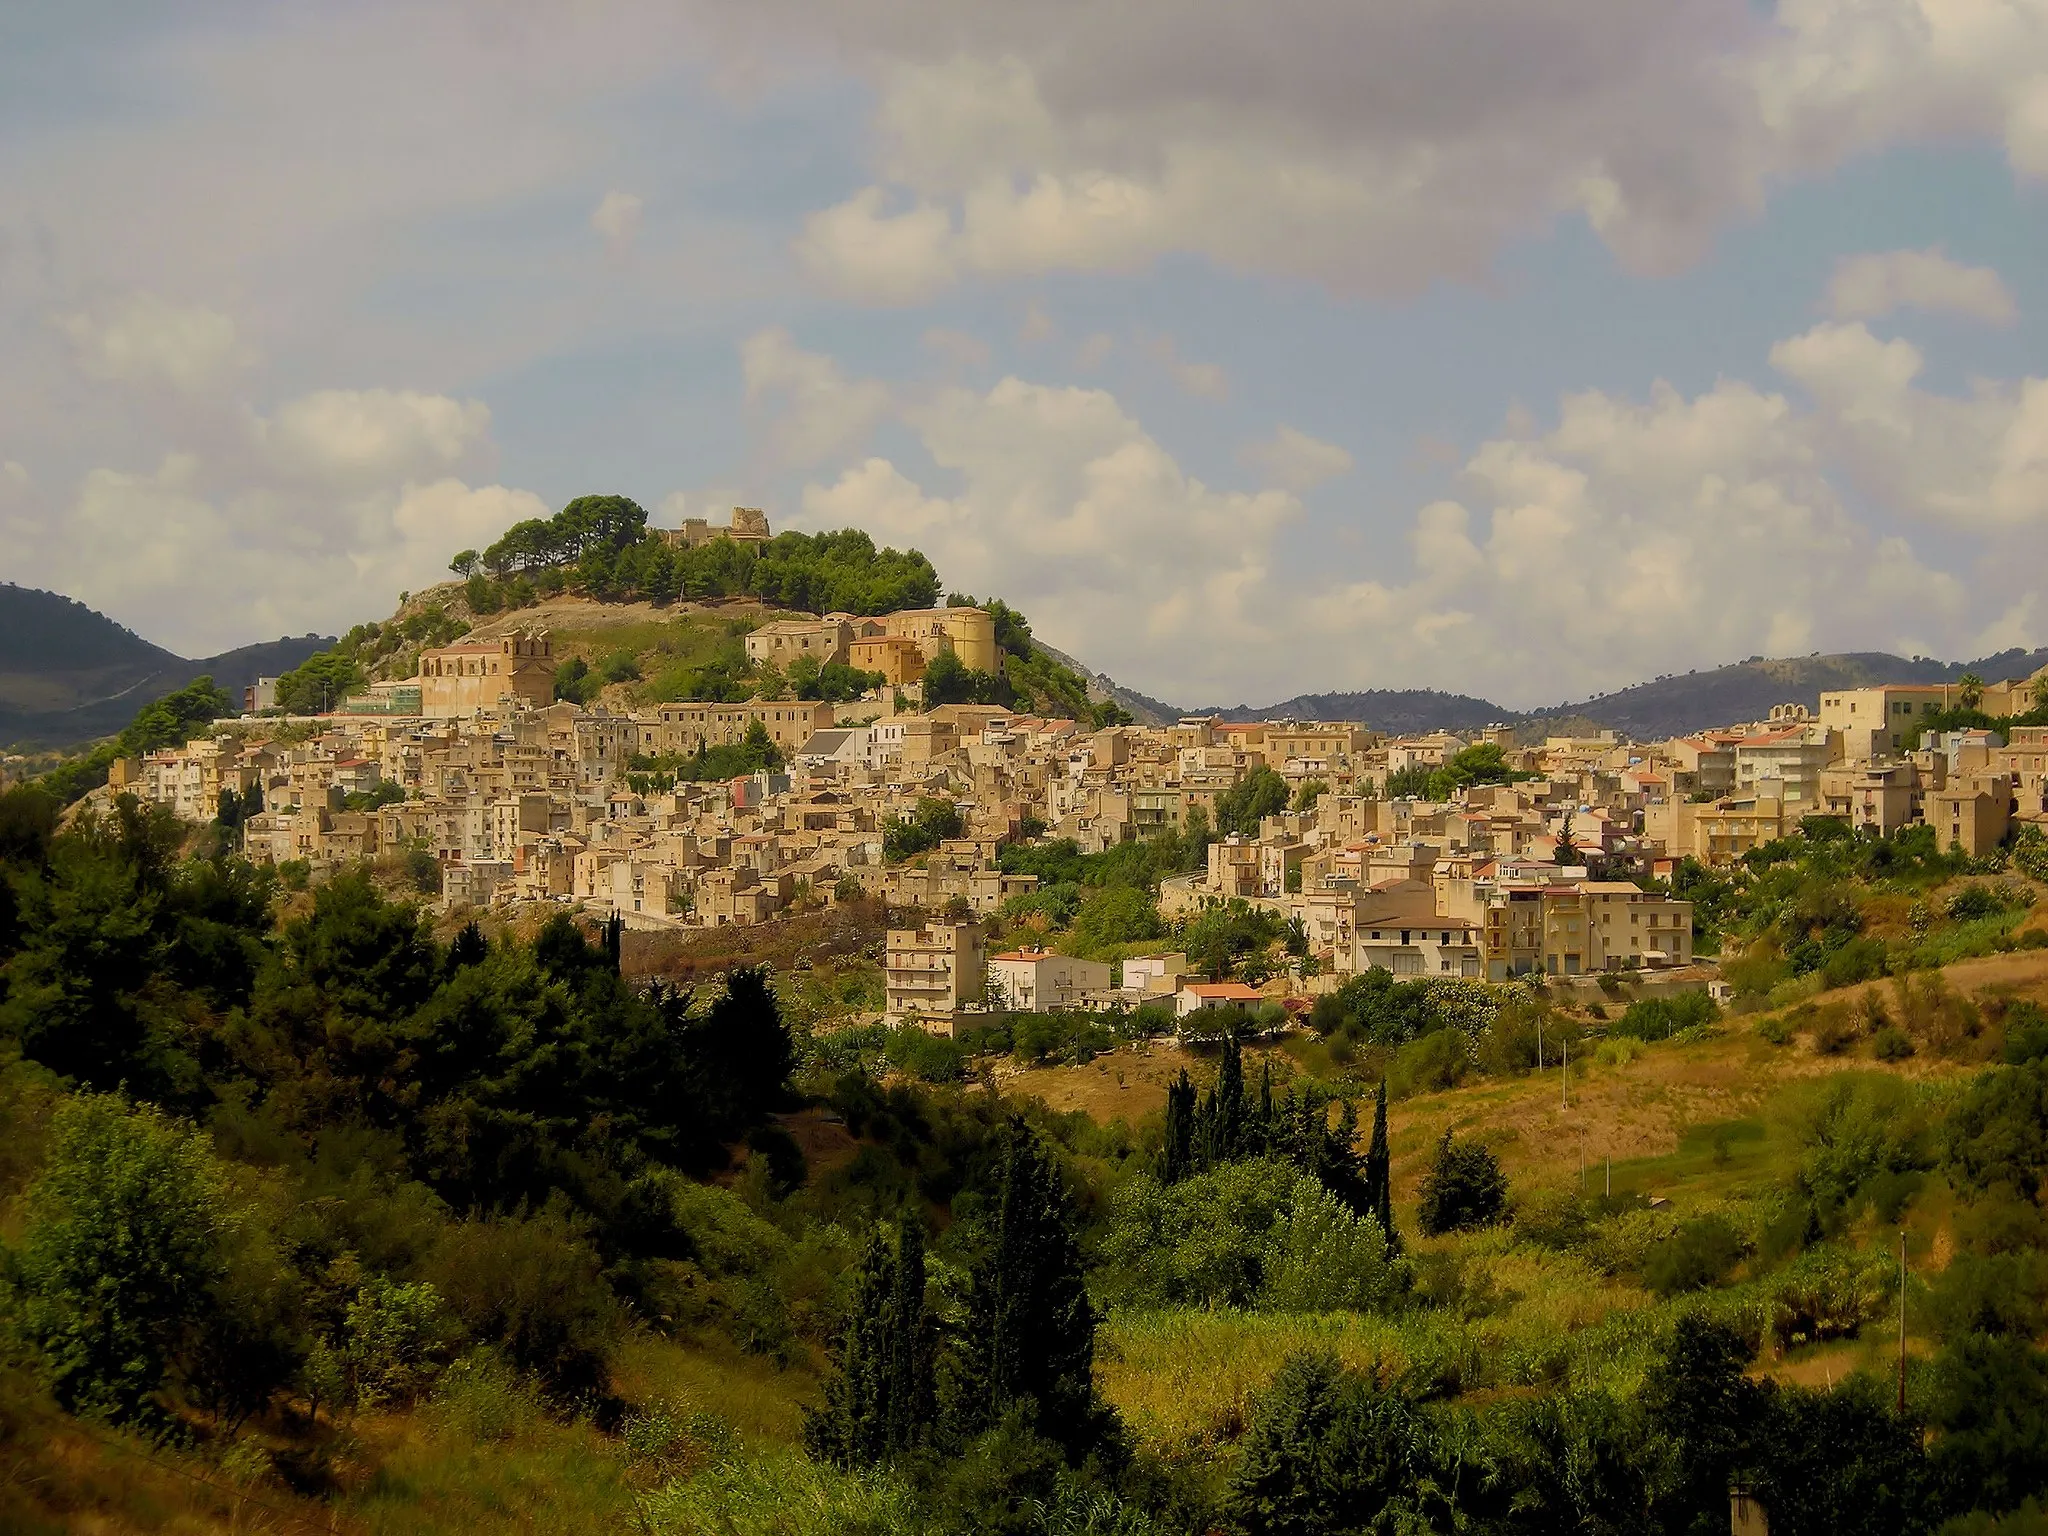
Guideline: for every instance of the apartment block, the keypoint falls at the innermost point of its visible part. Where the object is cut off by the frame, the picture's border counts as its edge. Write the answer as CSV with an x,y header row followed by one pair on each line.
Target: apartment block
x,y
932,973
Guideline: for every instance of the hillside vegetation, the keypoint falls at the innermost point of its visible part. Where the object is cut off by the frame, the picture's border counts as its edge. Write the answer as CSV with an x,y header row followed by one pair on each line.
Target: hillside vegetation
x,y
315,1215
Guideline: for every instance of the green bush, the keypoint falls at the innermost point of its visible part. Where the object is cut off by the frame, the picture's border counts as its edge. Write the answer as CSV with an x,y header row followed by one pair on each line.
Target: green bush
x,y
481,1397
120,1255
925,1056
1996,1133
535,1287
1848,1129
1465,1188
1700,1255
1201,1242
1659,1018
1438,1061
1322,1258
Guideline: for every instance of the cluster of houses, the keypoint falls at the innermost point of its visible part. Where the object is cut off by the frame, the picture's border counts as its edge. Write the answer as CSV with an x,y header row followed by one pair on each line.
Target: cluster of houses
x,y
522,799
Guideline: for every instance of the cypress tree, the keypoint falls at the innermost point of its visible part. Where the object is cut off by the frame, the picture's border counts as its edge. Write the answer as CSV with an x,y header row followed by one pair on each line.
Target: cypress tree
x,y
1379,1172
1176,1155
468,947
907,1412
1224,1130
1263,1126
851,1429
1029,1339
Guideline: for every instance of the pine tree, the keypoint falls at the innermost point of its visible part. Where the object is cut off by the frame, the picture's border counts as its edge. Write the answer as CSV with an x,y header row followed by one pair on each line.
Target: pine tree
x,y
1029,1339
468,947
1379,1172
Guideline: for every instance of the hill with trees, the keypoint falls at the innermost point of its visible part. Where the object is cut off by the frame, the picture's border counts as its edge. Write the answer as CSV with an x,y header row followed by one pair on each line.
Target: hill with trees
x,y
1663,707
320,1215
69,674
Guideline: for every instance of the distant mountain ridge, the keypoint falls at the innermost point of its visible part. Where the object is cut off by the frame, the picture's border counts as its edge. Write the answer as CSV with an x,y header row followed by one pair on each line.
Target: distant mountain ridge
x,y
69,674
1675,705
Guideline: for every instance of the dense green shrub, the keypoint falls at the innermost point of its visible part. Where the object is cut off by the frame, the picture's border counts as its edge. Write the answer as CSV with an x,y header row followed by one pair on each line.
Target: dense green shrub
x,y
121,1255
1701,1255
1464,1188
1658,1018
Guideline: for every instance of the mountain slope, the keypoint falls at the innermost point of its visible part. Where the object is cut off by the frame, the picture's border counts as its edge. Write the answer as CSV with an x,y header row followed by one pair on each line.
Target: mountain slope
x,y
69,674
1651,711
1399,711
1672,706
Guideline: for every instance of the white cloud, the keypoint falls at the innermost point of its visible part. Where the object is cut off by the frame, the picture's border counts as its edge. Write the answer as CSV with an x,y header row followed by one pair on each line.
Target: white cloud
x,y
617,218
1624,539
1380,148
143,339
357,436
860,250
1871,287
1977,462
314,517
1071,509
1294,460
818,411
270,557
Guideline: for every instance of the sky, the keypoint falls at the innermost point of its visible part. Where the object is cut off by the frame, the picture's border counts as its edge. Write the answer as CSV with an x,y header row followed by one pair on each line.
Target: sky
x,y
1523,348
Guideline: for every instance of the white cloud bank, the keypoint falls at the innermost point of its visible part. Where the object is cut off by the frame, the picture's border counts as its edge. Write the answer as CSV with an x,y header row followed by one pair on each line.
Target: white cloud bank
x,y
1379,148
140,338
1628,538
313,517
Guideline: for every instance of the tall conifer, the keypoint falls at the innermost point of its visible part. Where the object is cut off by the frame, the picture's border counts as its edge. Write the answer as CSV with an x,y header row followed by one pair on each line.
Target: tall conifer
x,y
907,1411
1176,1154
1379,1172
850,1430
1029,1340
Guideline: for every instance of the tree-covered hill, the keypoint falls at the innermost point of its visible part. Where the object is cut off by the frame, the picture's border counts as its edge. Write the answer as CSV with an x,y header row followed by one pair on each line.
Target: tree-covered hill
x,y
69,674
319,1215
1663,707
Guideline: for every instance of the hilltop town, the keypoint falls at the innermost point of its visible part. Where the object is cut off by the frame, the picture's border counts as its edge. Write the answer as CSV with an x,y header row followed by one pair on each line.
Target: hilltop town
x,y
1473,856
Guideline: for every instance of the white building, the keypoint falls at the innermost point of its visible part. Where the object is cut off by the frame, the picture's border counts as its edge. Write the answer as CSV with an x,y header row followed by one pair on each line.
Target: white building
x,y
1037,981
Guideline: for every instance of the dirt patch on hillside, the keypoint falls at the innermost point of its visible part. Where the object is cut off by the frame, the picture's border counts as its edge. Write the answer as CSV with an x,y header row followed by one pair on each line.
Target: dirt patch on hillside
x,y
578,615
